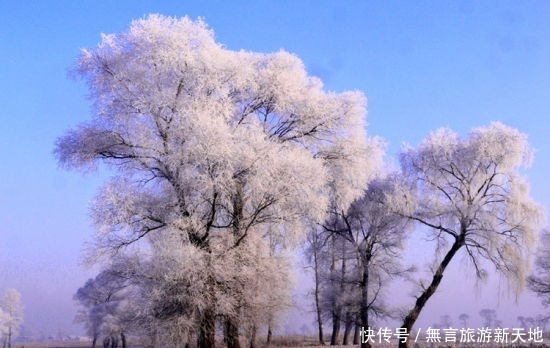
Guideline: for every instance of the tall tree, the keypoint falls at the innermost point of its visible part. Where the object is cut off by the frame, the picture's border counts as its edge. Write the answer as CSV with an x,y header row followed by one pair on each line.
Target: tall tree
x,y
472,199
210,145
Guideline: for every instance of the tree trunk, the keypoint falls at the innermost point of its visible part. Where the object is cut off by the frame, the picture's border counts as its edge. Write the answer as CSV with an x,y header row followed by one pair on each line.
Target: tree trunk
x,y
154,338
269,334
94,341
347,330
253,337
9,337
343,291
114,341
231,330
336,311
207,327
189,339
123,339
410,319
356,335
364,307
232,333
335,327
317,290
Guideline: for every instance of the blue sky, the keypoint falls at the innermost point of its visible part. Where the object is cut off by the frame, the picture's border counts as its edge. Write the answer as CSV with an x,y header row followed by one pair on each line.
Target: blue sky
x,y
421,64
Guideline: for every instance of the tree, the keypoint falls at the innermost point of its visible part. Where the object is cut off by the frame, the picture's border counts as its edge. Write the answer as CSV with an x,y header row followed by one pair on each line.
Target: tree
x,y
464,318
471,197
4,329
375,234
332,261
105,308
313,253
211,146
489,316
11,316
355,254
446,321
539,281
261,307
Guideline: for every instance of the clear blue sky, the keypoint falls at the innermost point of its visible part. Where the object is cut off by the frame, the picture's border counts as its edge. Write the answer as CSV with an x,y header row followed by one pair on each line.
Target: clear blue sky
x,y
421,64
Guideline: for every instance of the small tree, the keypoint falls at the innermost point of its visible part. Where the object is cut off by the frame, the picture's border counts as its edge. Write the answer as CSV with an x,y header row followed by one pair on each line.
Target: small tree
x,y
446,321
11,316
464,319
489,316
472,199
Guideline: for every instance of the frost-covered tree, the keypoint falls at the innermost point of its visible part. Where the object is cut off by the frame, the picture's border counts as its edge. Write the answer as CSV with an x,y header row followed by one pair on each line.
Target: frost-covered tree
x,y
11,316
105,308
373,234
472,200
539,281
336,288
210,146
4,329
313,252
266,265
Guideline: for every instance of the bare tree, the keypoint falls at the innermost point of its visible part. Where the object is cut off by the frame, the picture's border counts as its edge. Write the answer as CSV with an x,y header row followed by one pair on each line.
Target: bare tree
x,y
472,198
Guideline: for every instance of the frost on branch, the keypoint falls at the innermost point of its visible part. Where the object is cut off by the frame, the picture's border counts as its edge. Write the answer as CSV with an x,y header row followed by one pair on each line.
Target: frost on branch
x,y
11,316
471,197
216,152
176,112
471,188
356,254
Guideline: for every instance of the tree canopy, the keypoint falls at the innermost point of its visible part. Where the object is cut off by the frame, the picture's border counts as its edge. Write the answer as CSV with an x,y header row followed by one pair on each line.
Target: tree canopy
x,y
213,149
471,196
